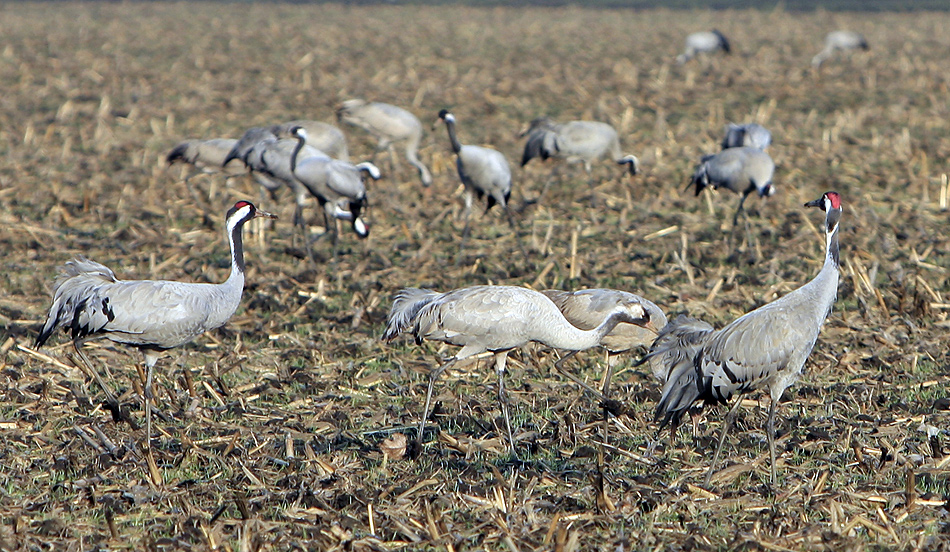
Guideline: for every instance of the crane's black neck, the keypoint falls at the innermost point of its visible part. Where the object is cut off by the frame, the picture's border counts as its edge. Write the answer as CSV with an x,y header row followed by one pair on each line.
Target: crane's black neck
x,y
453,137
236,241
295,153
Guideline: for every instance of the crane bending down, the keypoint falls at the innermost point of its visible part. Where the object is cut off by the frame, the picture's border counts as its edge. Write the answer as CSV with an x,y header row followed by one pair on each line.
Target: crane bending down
x,y
705,42
338,186
496,319
389,124
764,349
575,141
589,307
743,170
839,41
150,315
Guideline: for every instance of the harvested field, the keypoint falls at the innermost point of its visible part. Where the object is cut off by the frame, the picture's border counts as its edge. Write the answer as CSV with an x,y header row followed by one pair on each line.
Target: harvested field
x,y
274,424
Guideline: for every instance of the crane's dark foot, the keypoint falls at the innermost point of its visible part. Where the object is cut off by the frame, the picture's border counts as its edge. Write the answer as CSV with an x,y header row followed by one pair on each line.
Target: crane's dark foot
x,y
614,407
414,449
120,413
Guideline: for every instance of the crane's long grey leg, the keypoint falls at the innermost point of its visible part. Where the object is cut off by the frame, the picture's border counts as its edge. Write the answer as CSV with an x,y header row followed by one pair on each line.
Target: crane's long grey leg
x,y
770,430
730,417
500,361
425,411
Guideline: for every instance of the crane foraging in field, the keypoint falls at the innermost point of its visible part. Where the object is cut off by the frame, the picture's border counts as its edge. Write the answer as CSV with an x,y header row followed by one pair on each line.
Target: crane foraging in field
x,y
588,307
752,135
388,124
150,315
704,42
839,41
208,156
338,186
763,349
742,170
576,142
495,319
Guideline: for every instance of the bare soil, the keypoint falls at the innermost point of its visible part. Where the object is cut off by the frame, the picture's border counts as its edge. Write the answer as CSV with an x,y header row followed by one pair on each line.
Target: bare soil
x,y
274,429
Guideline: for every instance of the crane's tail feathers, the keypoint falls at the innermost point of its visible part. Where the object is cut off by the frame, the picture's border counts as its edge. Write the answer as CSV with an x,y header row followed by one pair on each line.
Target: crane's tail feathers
x,y
678,341
406,305
178,153
680,392
76,300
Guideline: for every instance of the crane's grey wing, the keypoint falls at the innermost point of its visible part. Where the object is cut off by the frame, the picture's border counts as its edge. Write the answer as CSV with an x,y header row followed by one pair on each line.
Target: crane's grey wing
x,y
164,313
587,139
725,166
345,180
753,348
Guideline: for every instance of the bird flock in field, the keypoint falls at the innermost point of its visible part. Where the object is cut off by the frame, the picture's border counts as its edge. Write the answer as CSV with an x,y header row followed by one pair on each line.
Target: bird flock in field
x,y
693,363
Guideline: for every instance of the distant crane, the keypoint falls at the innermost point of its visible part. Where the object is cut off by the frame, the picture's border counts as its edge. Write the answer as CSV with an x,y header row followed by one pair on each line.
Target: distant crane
x,y
752,135
742,170
764,349
496,319
389,124
839,41
322,136
575,141
483,171
338,186
705,42
207,156
150,315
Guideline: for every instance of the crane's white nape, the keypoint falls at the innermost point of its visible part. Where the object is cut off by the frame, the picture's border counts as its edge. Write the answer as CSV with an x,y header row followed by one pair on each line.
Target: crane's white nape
x,y
765,348
370,169
493,319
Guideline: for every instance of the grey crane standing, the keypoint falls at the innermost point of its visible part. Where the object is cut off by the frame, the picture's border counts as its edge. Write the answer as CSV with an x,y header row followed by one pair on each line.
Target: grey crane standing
x,y
322,136
752,135
839,41
483,171
496,319
742,170
388,124
764,349
575,141
338,186
704,42
150,315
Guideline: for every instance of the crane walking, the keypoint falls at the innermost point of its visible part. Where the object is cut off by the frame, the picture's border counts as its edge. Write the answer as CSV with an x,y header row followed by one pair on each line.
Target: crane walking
x,y
763,349
150,315
495,319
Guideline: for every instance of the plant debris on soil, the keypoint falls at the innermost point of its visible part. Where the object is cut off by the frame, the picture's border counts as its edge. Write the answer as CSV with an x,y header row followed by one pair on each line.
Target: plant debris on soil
x,y
288,428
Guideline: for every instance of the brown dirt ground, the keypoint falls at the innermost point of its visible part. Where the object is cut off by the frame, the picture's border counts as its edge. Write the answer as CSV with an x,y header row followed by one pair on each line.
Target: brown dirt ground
x,y
274,424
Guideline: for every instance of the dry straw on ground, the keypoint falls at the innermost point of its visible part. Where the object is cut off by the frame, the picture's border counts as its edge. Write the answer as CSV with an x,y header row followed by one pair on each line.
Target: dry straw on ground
x,y
280,427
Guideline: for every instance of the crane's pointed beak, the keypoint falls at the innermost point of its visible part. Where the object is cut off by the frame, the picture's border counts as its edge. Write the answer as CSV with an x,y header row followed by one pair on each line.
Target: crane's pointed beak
x,y
820,202
265,214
